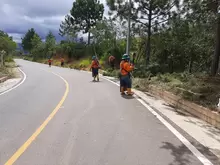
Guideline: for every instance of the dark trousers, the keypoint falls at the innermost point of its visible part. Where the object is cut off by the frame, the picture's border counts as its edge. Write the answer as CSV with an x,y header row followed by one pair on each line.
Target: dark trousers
x,y
125,81
95,72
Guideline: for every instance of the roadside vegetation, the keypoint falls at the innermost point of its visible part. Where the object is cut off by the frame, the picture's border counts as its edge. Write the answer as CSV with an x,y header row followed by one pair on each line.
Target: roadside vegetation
x,y
175,41
7,49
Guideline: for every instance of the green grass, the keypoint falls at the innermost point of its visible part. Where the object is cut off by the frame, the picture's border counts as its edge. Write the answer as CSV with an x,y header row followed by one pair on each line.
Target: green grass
x,y
85,63
29,58
111,73
9,58
202,90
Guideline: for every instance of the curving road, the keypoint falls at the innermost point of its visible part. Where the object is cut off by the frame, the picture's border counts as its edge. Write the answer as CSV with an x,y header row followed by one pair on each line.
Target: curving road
x,y
93,126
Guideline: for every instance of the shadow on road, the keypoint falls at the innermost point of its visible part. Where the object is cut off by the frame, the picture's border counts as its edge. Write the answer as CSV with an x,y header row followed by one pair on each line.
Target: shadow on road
x,y
127,97
180,153
95,81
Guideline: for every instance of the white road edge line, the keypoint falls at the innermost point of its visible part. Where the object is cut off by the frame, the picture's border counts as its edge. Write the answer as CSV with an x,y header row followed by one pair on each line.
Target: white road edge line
x,y
192,148
10,89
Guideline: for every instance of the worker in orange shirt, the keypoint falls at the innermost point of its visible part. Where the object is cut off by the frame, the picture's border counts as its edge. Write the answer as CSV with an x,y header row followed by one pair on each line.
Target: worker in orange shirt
x,y
49,62
95,68
62,61
111,61
125,77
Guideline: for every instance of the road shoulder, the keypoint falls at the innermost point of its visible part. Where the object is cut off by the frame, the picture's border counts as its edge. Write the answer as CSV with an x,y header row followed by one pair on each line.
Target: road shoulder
x,y
12,82
202,135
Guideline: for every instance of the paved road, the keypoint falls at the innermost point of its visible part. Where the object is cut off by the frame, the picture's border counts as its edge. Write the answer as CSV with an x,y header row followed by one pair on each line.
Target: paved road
x,y
94,126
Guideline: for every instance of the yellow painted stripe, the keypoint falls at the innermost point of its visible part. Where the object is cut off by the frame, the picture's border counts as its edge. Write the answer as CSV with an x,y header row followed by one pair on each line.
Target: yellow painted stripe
x,y
22,149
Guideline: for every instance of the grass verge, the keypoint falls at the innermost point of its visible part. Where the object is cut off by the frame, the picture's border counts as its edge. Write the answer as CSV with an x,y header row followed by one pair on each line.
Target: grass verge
x,y
8,69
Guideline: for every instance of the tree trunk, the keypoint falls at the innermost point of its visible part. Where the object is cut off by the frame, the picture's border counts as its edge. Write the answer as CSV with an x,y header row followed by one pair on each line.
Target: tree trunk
x,y
89,38
115,39
140,53
148,50
215,60
191,64
3,57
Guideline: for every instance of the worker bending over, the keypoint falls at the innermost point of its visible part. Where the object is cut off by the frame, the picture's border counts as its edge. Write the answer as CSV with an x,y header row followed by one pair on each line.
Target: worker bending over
x,y
61,61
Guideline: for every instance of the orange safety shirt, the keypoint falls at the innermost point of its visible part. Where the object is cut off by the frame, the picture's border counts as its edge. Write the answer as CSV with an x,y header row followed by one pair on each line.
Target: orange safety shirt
x,y
126,67
94,64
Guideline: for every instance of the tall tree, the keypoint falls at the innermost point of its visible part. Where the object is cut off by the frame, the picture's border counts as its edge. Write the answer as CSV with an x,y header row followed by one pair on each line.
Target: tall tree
x,y
6,42
37,48
67,29
26,41
147,14
205,12
50,44
105,32
85,14
7,46
214,7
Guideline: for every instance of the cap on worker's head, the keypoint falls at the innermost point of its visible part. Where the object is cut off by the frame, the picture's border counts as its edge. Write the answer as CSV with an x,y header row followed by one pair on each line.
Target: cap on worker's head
x,y
93,57
125,56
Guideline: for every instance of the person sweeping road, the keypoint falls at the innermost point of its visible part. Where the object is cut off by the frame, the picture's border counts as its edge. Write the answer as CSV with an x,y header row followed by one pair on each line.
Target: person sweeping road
x,y
61,61
125,75
49,62
95,68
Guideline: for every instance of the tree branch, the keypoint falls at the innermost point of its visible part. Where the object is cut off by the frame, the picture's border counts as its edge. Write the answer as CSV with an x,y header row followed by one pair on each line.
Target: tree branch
x,y
159,22
145,7
138,21
166,12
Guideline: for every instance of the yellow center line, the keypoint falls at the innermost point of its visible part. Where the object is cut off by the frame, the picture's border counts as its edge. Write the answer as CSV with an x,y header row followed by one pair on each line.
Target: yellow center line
x,y
24,147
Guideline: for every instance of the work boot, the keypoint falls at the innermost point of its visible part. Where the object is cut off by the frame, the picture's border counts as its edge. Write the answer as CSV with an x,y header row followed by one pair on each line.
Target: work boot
x,y
129,92
97,77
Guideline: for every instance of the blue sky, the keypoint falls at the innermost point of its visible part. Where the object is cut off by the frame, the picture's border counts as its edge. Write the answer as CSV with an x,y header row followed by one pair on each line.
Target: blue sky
x,y
17,16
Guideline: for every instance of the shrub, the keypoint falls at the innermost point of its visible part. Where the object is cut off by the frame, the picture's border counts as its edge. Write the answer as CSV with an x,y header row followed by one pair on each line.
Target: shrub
x,y
111,73
9,59
84,63
28,58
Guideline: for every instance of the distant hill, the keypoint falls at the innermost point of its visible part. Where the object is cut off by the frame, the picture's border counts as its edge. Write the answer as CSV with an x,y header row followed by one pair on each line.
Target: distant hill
x,y
77,39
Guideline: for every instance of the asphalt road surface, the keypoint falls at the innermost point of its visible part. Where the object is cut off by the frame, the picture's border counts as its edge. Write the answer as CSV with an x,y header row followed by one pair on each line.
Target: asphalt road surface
x,y
89,124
